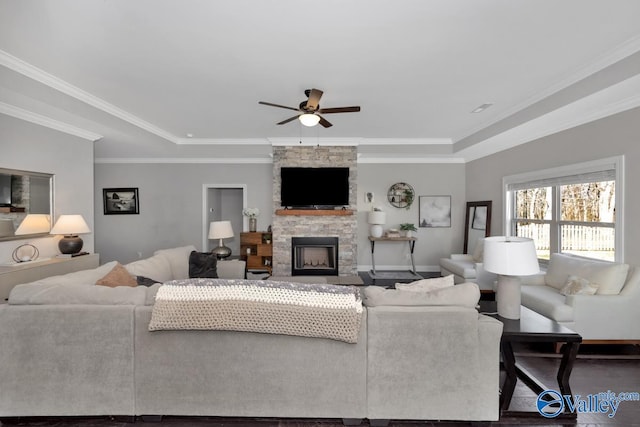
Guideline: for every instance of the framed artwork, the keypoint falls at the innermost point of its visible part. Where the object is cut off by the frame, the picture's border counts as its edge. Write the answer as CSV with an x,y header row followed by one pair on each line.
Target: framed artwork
x,y
120,201
435,211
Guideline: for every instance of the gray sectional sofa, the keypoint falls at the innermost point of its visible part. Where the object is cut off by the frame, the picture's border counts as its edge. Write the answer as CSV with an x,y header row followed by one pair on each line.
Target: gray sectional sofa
x,y
72,348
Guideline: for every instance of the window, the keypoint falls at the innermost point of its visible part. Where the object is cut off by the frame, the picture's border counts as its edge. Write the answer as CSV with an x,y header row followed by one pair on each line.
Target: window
x,y
573,209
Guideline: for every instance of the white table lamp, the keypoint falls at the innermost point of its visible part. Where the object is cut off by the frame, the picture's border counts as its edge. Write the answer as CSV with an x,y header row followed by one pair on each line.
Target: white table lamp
x,y
221,230
70,226
376,219
510,257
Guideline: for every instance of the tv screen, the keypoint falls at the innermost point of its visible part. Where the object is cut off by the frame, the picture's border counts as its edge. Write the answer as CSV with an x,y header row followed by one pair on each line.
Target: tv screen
x,y
307,187
5,190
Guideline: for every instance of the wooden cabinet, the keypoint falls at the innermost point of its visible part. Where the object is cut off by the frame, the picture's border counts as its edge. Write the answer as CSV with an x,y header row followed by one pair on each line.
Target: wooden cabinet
x,y
256,250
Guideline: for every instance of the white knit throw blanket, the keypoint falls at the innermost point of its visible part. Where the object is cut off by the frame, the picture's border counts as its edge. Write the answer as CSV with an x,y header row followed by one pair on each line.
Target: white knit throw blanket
x,y
308,310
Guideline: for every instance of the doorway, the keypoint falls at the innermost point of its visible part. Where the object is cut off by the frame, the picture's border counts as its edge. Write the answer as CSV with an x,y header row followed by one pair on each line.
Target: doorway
x,y
223,202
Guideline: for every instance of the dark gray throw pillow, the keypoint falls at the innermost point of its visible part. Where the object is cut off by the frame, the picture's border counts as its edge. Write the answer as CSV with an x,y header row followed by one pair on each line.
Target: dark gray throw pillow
x,y
145,281
202,264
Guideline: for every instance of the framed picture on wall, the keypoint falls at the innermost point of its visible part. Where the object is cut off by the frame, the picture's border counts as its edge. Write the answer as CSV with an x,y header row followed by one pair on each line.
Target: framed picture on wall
x,y
434,211
120,201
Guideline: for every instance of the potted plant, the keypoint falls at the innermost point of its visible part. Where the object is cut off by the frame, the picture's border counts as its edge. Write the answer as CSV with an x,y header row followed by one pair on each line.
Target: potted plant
x,y
408,228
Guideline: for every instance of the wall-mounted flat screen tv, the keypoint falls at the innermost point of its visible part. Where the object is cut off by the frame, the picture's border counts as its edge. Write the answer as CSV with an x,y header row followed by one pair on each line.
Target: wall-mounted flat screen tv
x,y
314,187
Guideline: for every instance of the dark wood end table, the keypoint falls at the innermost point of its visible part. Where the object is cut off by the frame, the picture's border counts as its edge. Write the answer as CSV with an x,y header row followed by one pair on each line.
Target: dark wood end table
x,y
530,328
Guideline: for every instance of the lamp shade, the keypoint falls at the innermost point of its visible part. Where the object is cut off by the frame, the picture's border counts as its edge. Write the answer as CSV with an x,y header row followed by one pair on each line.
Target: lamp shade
x,y
510,256
34,224
309,119
220,230
70,225
376,217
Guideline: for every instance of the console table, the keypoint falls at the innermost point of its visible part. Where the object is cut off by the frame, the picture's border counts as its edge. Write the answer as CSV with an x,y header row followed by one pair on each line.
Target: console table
x,y
412,244
532,327
34,270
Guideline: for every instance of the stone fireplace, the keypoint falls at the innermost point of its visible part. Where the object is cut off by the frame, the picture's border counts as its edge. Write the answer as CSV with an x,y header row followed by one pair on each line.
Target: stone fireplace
x,y
342,224
314,256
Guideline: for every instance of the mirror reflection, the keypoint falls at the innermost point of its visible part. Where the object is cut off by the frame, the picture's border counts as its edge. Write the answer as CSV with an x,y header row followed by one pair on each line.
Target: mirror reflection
x,y
477,224
22,194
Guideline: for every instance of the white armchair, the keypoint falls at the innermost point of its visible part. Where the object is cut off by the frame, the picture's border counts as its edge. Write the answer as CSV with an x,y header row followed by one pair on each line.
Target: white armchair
x,y
468,268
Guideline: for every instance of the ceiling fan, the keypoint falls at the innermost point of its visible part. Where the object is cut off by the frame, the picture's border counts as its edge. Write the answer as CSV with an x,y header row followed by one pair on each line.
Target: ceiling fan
x,y
310,110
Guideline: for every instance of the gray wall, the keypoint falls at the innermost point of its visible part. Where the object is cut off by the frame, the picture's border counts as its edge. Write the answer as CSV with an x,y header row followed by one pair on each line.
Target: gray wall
x,y
30,147
427,180
611,136
171,205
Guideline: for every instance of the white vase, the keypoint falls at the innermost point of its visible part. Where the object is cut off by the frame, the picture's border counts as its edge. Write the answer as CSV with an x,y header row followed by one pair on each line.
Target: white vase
x,y
408,233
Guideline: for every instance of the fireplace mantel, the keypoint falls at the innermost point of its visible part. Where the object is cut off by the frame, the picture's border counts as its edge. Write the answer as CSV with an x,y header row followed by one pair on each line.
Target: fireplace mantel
x,y
315,212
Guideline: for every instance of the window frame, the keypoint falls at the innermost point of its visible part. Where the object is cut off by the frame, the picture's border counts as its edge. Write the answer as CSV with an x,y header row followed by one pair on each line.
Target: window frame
x,y
557,174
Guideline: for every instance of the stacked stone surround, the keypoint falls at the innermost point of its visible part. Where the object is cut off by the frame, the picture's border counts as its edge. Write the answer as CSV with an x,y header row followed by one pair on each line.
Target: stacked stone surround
x,y
287,226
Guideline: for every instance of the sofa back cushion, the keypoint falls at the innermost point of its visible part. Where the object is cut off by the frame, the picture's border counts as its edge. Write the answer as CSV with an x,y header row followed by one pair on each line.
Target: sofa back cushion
x,y
608,276
464,294
178,259
157,268
83,277
55,293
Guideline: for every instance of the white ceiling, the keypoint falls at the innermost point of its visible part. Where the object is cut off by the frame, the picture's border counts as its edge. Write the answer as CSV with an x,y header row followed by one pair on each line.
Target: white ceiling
x,y
142,74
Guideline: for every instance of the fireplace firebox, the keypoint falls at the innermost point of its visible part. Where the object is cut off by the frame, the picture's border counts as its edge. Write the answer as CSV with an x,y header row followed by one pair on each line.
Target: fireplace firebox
x,y
314,256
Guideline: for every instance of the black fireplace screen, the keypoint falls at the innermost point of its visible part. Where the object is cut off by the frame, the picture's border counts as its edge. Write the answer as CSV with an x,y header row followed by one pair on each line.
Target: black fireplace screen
x,y
314,256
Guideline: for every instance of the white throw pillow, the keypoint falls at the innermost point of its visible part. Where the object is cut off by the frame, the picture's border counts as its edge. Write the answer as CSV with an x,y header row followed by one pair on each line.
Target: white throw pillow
x,y
579,286
427,285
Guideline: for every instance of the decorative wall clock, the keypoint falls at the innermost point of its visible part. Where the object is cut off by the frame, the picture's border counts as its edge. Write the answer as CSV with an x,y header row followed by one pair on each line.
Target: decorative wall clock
x,y
401,195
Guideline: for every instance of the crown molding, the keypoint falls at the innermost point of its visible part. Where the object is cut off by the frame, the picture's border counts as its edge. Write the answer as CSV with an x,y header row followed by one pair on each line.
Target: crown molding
x,y
39,119
410,160
623,50
222,141
185,160
35,73
613,100
406,141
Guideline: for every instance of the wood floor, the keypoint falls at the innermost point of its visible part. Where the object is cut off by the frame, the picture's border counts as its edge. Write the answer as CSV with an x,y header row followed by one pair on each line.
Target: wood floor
x,y
597,369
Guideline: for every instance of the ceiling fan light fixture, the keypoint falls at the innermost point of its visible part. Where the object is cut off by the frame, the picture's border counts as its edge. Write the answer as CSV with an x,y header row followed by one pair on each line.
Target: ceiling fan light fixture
x,y
309,119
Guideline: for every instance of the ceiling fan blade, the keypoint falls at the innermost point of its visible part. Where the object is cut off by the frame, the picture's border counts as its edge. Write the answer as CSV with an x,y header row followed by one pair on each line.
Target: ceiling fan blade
x,y
314,99
276,105
288,120
324,122
339,110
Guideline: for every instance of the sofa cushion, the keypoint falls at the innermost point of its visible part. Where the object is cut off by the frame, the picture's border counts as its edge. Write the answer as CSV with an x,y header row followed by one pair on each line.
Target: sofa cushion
x,y
178,259
54,293
427,285
466,269
118,276
83,277
464,294
579,286
547,301
157,266
202,265
610,277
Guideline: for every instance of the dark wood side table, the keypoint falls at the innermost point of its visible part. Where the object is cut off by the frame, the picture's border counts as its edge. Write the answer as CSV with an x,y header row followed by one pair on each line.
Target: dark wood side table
x,y
530,328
